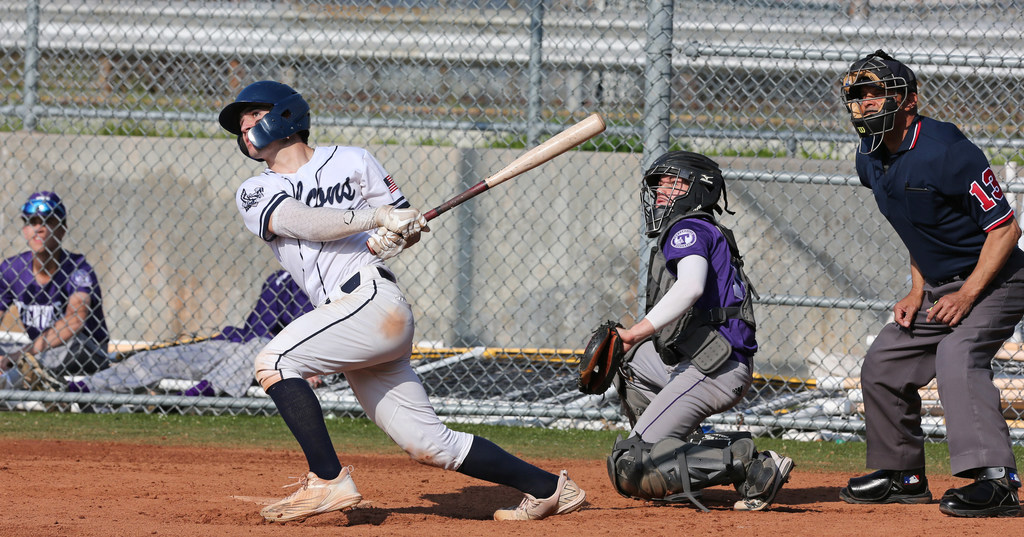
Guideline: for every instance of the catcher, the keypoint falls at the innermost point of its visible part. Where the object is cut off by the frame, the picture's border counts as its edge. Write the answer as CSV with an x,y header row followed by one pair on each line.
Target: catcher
x,y
690,356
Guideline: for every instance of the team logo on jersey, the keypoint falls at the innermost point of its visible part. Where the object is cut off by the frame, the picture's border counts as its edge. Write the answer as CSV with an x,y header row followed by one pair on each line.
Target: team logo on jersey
x,y
80,278
684,238
250,200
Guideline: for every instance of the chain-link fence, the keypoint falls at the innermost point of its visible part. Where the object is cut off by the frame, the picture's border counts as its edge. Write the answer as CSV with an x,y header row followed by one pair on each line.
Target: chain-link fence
x,y
112,105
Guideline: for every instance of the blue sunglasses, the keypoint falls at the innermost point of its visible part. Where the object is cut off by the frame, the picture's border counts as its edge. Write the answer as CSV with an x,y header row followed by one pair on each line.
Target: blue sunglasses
x,y
42,208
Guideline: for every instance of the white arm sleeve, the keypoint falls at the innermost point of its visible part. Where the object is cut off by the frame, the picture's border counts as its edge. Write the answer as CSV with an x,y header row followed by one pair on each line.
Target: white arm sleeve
x,y
295,220
692,272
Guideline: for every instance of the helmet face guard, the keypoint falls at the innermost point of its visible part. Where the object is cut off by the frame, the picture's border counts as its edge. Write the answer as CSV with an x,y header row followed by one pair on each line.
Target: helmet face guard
x,y
662,202
287,114
885,79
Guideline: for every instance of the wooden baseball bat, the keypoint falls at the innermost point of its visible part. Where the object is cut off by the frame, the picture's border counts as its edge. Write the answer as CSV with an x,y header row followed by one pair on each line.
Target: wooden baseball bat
x,y
571,137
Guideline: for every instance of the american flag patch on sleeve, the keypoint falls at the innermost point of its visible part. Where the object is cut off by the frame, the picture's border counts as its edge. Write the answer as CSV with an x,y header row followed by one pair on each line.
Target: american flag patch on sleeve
x,y
392,187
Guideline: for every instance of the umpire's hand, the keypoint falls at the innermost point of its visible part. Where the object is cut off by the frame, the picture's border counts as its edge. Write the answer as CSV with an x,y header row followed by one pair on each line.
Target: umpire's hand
x,y
905,310
951,308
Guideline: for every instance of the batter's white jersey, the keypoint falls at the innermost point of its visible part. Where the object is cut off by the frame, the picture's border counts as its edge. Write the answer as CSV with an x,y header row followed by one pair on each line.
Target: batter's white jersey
x,y
336,177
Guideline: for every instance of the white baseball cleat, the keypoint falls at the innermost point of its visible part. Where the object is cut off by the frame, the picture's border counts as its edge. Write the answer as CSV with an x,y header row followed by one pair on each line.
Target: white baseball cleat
x,y
567,498
315,496
778,477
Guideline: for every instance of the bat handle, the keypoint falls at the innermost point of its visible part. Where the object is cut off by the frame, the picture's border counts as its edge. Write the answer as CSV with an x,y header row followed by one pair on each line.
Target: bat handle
x,y
457,200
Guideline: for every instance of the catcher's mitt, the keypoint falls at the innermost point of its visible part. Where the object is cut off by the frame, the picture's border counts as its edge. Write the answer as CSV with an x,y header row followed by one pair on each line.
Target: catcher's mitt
x,y
601,359
36,377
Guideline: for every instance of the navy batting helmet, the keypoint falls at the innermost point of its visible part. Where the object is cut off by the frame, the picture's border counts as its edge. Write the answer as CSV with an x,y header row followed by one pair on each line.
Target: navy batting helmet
x,y
288,113
893,80
662,202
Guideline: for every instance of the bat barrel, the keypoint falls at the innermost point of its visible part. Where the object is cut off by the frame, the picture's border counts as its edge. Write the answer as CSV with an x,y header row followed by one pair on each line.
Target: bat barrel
x,y
586,129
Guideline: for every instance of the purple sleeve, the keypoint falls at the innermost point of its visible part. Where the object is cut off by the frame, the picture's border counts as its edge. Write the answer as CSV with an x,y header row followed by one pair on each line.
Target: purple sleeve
x,y
82,280
6,297
688,237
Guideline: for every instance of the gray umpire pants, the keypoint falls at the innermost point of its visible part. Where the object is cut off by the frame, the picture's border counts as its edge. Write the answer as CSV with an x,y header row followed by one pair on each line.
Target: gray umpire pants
x,y
681,396
900,361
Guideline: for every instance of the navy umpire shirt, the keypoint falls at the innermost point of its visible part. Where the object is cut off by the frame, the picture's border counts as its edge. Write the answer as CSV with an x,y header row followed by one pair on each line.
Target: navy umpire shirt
x,y
939,194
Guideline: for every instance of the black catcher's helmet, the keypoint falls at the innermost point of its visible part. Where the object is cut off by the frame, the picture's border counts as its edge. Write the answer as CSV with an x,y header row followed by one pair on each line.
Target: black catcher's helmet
x,y
661,204
880,71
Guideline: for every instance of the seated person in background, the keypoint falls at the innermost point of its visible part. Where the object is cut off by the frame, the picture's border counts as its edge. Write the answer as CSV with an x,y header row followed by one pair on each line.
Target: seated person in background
x,y
221,364
58,298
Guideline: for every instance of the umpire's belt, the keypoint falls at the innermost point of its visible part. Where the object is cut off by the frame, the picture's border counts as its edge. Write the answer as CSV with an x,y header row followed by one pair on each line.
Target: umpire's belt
x,y
365,274
957,278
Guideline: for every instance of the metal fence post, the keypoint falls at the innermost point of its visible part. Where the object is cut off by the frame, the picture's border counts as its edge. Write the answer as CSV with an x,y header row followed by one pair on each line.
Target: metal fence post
x,y
536,73
657,79
31,80
657,103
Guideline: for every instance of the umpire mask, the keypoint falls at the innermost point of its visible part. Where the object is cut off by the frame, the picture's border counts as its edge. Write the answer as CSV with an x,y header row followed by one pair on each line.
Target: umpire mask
x,y
886,79
664,192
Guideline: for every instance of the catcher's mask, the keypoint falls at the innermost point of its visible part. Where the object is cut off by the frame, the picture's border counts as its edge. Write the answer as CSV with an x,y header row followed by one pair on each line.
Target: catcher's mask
x,y
892,81
662,202
288,114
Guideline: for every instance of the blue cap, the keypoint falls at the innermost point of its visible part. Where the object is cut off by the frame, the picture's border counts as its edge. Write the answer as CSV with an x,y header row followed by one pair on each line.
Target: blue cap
x,y
44,204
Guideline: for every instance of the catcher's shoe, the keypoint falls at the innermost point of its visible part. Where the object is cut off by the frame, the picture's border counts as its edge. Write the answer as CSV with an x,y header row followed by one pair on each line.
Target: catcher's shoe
x,y
567,498
315,496
765,476
888,486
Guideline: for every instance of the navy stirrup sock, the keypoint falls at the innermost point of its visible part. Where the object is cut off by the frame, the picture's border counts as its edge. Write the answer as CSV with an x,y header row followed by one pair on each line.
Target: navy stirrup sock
x,y
489,462
301,411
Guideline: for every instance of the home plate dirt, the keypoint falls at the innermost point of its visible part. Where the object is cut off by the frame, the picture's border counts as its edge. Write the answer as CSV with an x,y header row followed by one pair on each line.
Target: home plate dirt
x,y
65,488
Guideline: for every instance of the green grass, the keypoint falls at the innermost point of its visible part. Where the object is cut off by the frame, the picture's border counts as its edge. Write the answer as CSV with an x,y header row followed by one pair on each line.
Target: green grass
x,y
361,436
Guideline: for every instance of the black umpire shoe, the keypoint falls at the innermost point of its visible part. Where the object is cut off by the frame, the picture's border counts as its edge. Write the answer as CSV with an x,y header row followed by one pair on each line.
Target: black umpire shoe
x,y
993,494
888,486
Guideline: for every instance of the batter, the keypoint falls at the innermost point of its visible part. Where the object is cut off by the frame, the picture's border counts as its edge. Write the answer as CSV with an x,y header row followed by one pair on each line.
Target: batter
x,y
321,211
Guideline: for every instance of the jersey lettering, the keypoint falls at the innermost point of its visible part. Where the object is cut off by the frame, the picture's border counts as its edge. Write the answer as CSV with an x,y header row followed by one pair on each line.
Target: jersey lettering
x,y
37,316
319,197
987,197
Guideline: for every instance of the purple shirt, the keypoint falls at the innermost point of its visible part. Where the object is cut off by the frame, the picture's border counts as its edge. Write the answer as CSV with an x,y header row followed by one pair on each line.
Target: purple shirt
x,y
281,302
723,287
39,307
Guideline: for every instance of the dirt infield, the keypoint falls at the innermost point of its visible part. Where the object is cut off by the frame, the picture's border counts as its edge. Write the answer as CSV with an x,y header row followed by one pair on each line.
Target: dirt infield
x,y
111,489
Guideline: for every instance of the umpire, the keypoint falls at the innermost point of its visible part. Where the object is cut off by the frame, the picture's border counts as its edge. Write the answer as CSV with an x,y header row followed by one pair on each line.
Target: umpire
x,y
967,294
